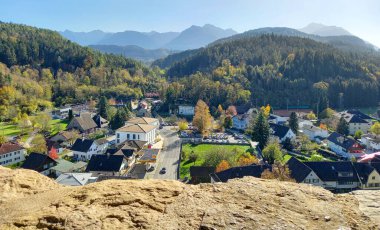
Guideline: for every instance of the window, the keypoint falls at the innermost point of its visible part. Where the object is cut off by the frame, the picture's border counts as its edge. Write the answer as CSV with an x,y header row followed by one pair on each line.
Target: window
x,y
128,136
373,178
138,137
134,136
118,135
315,180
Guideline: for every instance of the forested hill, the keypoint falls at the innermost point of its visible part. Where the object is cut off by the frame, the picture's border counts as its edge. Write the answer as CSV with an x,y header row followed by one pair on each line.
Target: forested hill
x,y
281,69
40,69
26,45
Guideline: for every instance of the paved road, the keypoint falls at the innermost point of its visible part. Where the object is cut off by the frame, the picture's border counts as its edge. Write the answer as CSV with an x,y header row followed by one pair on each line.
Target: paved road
x,y
169,155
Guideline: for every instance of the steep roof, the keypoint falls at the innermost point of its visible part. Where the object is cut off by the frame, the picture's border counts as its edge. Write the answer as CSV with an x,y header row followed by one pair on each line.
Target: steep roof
x,y
105,163
359,114
99,120
9,147
142,120
35,161
340,140
83,123
136,128
75,179
298,170
65,166
279,130
357,119
82,145
363,170
329,171
239,172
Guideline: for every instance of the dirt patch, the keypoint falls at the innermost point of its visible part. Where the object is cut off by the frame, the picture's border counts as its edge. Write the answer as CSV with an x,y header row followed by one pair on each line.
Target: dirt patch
x,y
247,203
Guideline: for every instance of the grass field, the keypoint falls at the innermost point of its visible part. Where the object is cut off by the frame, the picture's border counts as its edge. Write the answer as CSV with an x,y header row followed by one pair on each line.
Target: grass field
x,y
200,150
7,129
57,125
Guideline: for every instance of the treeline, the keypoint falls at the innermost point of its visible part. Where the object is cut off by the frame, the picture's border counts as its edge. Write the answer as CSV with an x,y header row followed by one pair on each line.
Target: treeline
x,y
281,71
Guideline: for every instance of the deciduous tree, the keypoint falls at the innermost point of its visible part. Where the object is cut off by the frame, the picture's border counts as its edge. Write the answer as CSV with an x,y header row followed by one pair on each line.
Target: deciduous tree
x,y
272,152
223,165
202,117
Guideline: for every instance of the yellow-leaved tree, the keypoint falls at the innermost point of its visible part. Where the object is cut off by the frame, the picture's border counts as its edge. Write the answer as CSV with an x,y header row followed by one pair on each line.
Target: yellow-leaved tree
x,y
202,117
266,110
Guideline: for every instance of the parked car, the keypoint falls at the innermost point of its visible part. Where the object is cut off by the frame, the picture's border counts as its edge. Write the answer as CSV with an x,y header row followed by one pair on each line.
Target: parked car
x,y
163,171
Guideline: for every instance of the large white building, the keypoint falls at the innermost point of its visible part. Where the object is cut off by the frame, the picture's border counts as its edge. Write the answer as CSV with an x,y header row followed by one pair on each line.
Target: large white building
x,y
11,153
140,128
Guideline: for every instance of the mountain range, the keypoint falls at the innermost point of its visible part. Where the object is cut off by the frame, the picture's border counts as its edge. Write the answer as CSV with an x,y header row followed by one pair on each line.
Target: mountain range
x,y
149,46
191,38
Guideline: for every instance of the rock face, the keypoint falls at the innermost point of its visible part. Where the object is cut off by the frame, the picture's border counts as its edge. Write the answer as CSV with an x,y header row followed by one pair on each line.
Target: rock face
x,y
246,203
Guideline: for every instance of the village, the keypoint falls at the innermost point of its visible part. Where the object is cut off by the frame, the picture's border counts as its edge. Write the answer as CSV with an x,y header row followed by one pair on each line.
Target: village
x,y
150,146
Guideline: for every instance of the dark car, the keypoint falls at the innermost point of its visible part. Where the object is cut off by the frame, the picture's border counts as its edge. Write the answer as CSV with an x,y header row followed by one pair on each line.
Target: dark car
x,y
163,171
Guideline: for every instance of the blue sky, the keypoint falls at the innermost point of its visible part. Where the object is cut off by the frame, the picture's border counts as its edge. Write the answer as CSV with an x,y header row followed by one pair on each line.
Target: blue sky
x,y
361,18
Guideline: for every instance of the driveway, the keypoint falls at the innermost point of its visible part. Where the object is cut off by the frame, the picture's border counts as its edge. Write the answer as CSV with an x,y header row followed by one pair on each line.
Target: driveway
x,y
169,155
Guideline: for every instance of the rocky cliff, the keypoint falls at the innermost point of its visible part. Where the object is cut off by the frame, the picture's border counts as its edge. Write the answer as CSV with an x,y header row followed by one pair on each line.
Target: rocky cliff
x,y
29,200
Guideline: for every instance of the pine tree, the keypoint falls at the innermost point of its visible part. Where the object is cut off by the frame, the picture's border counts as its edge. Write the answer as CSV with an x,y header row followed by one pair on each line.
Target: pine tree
x,y
103,107
119,119
261,130
342,127
71,115
293,122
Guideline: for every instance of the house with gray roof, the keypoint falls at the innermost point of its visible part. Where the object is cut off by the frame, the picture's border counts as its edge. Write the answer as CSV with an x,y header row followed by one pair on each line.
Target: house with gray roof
x,y
84,124
76,179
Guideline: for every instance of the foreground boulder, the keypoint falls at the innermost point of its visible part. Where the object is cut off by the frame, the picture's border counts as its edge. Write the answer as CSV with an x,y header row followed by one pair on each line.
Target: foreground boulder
x,y
247,203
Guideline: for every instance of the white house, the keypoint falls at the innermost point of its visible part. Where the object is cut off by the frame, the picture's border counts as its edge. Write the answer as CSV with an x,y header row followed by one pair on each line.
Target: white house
x,y
139,128
83,149
281,132
371,142
61,113
11,153
346,147
356,120
242,121
186,110
314,132
275,119
329,175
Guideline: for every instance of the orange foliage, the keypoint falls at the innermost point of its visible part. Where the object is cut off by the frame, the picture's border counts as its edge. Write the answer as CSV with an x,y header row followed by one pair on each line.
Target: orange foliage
x,y
323,126
223,165
244,160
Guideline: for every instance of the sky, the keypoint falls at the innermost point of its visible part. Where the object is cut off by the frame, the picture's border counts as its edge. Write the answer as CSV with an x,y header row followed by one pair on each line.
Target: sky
x,y
361,18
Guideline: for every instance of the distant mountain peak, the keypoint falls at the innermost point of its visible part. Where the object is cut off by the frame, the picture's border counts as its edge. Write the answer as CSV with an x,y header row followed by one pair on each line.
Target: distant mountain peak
x,y
323,30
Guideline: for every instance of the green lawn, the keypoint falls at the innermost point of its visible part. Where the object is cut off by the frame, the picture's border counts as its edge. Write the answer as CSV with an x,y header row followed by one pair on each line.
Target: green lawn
x,y
7,129
57,125
200,150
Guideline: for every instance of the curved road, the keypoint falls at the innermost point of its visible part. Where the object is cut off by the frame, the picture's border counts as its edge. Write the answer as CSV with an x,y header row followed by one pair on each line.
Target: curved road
x,y
169,155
